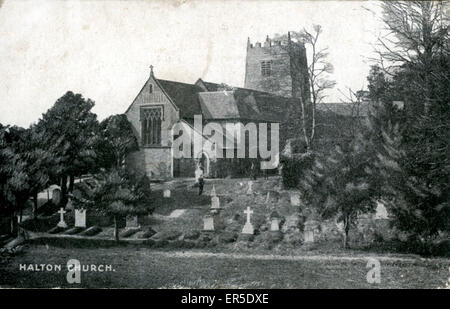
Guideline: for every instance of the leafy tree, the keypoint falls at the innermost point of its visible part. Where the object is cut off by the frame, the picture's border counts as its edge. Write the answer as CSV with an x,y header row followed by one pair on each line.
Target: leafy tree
x,y
116,141
70,130
116,194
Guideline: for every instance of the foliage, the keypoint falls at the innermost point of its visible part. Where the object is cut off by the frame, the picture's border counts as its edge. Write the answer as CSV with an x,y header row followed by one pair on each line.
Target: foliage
x,y
294,168
115,193
411,139
116,141
69,130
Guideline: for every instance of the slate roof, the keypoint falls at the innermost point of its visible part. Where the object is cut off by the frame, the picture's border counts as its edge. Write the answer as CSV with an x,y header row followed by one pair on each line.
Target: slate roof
x,y
218,101
184,96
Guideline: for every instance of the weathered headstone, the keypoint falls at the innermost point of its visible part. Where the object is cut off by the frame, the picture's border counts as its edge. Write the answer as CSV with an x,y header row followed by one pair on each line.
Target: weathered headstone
x,y
208,223
80,217
295,199
132,221
268,197
310,230
274,222
250,189
248,227
61,222
215,202
166,193
308,236
56,196
213,191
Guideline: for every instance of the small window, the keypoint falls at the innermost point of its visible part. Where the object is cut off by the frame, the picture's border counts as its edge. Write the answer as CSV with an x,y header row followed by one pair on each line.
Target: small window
x,y
150,88
266,68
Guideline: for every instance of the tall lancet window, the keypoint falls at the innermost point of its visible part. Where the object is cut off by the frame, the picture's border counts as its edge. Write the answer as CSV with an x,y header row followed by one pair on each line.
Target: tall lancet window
x,y
151,119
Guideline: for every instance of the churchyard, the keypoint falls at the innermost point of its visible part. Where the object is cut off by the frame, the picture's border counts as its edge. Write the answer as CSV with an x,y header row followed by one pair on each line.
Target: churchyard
x,y
237,226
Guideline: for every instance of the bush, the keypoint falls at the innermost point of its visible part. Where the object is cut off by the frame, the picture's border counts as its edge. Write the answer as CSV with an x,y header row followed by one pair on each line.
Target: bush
x,y
294,167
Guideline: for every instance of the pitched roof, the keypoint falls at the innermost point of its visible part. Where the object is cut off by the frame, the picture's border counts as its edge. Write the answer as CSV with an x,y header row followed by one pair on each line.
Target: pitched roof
x,y
184,96
344,109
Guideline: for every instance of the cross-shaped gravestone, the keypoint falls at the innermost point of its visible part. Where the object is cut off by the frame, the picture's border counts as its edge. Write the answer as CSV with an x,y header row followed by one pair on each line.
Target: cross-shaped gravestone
x,y
248,227
61,222
250,190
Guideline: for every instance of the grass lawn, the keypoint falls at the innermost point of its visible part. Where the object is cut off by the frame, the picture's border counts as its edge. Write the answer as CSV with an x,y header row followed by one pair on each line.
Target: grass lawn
x,y
146,268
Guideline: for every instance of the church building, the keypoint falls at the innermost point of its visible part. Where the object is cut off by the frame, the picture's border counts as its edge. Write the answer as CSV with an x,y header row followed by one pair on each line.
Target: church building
x,y
265,98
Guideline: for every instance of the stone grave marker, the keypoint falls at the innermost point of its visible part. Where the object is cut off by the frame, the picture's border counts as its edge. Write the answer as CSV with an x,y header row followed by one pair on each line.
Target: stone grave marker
x,y
274,222
295,199
61,222
215,202
132,222
166,193
56,196
308,236
208,223
80,217
248,227
250,189
268,197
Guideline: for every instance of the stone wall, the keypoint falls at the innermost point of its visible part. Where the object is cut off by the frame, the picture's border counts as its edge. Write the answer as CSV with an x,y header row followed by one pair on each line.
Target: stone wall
x,y
155,161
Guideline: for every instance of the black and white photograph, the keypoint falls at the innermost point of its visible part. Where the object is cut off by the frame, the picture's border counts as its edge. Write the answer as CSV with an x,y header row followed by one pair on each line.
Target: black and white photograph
x,y
212,146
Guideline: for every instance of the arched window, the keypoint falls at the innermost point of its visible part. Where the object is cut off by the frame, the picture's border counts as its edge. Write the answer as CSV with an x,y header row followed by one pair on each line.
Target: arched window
x,y
151,119
150,88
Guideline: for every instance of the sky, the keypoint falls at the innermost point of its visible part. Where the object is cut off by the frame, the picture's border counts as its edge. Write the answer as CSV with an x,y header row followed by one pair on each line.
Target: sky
x,y
103,49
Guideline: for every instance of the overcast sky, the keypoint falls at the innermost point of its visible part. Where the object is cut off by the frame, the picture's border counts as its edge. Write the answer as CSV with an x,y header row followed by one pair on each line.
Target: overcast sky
x,y
103,49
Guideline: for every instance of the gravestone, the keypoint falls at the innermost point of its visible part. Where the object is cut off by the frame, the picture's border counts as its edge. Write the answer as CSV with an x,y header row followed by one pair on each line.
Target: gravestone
x,y
268,197
61,222
132,222
311,228
80,217
250,189
248,227
295,199
208,223
274,222
308,236
56,196
215,203
166,193
213,191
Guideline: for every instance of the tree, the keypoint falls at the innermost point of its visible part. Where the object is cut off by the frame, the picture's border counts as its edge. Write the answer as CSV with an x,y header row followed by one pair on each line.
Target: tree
x,y
309,87
70,129
341,183
412,141
116,141
115,193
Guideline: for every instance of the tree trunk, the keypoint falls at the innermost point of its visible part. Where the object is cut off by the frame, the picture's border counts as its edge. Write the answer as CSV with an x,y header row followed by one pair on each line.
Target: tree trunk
x,y
14,225
116,229
346,229
35,205
71,182
63,191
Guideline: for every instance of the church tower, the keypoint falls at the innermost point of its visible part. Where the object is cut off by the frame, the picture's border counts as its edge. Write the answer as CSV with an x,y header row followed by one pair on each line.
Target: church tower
x,y
277,67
